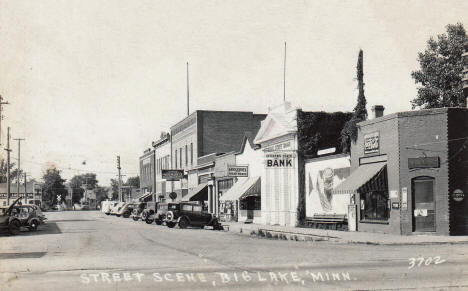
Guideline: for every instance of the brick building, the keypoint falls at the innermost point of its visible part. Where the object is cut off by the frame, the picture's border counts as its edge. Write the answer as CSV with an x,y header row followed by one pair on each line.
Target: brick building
x,y
409,172
162,151
195,142
147,170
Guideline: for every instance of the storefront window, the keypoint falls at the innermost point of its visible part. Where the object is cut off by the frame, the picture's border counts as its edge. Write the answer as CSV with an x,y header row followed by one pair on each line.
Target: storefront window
x,y
250,203
374,205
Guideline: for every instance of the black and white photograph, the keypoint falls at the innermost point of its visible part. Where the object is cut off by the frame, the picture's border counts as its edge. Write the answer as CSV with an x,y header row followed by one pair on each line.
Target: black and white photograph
x,y
233,145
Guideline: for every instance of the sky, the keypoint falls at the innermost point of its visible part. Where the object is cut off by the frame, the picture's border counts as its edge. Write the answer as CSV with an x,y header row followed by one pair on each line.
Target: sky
x,y
88,80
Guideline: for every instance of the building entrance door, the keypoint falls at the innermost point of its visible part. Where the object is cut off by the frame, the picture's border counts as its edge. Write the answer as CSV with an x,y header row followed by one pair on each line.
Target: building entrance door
x,y
423,205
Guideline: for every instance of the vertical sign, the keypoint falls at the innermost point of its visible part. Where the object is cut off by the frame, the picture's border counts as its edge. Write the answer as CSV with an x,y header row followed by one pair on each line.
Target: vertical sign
x,y
404,198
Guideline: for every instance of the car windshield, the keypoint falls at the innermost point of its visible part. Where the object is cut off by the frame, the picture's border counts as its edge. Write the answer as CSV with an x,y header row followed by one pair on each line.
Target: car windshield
x,y
173,206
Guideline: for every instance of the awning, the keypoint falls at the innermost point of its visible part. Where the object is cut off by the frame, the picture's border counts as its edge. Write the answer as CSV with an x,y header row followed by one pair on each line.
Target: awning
x,y
199,193
366,177
243,189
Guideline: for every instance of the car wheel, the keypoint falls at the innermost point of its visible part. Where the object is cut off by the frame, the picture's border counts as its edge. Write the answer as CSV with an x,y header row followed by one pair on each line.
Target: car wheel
x,y
170,224
149,221
135,218
33,225
158,222
183,223
14,227
126,214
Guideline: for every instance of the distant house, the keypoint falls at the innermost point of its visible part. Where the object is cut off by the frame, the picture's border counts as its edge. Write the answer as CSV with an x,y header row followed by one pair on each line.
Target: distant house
x,y
33,193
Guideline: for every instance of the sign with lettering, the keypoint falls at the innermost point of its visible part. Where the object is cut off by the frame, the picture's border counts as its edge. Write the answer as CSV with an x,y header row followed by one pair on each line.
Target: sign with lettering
x,y
3,196
280,160
395,205
371,143
423,162
404,198
172,175
278,147
458,195
237,171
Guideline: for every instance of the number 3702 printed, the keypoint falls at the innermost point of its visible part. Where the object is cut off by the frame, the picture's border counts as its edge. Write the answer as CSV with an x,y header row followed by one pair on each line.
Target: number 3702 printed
x,y
421,261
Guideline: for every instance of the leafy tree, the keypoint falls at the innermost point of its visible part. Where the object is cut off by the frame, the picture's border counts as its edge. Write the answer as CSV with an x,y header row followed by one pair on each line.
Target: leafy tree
x,y
114,188
80,183
440,75
101,194
349,131
53,186
133,181
13,172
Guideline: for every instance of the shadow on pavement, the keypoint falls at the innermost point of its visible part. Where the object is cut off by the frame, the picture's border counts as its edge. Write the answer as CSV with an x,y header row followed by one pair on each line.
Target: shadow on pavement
x,y
32,255
48,228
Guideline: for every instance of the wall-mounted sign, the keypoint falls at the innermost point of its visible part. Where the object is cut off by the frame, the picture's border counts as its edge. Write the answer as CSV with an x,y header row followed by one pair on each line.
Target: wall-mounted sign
x,y
237,171
172,175
3,196
279,160
404,198
458,195
393,194
371,143
423,162
395,205
279,147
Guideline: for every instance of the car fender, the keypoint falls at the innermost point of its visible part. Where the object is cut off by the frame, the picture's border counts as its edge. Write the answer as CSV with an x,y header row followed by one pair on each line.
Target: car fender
x,y
184,216
12,218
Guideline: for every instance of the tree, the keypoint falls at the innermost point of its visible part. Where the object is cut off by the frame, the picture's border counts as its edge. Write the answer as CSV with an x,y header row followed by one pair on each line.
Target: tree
x,y
349,131
133,181
53,186
101,194
80,183
440,75
114,189
13,173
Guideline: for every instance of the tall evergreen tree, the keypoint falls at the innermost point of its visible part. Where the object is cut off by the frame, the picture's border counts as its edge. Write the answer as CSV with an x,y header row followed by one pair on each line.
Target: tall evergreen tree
x,y
349,131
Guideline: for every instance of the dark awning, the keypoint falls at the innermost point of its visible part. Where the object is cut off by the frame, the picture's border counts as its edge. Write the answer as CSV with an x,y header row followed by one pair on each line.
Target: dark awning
x,y
199,193
243,189
365,178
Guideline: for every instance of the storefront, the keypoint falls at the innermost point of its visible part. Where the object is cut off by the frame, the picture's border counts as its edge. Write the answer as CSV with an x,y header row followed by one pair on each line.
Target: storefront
x,y
245,200
409,173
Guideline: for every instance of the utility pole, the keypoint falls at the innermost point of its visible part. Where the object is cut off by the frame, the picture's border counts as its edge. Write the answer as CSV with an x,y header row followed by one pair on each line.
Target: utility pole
x,y
120,179
25,190
284,74
1,116
18,168
8,150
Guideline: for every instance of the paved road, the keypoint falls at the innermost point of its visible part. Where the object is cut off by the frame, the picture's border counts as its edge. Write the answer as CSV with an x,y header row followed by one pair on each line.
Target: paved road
x,y
92,251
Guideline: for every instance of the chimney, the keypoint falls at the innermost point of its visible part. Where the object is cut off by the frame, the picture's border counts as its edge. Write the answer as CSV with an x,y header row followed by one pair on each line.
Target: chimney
x,y
377,111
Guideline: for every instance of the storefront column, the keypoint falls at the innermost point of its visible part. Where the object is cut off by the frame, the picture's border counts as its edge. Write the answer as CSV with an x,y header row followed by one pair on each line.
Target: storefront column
x,y
210,199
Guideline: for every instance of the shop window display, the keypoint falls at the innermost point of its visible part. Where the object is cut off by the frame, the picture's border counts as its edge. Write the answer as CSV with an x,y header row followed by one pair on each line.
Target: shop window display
x,y
374,205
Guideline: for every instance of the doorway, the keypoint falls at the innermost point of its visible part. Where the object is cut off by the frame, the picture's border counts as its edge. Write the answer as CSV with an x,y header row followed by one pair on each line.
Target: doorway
x,y
423,204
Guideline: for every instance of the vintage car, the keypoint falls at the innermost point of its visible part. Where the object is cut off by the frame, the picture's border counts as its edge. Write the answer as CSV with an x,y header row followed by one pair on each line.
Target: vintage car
x,y
187,214
149,211
8,221
137,211
30,216
114,209
160,215
125,210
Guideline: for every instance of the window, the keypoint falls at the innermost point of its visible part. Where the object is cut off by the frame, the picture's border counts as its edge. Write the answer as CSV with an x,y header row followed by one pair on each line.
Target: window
x,y
191,153
186,155
175,160
187,207
197,208
374,205
180,157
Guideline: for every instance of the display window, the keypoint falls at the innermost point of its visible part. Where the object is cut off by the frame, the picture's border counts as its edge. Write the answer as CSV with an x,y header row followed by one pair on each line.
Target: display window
x,y
374,205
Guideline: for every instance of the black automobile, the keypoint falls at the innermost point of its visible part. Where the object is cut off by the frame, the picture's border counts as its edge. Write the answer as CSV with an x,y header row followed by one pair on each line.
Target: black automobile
x,y
138,210
8,221
160,214
187,214
149,211
30,216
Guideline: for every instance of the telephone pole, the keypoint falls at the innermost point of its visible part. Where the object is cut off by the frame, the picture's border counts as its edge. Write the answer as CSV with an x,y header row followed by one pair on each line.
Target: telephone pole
x,y
8,150
1,115
188,93
120,179
18,176
25,190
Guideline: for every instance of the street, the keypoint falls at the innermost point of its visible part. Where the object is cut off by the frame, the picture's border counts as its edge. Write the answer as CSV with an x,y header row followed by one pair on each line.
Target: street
x,y
88,250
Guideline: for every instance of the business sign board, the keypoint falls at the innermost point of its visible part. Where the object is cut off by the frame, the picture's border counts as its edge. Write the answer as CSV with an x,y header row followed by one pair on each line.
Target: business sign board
x,y
172,175
237,171
279,160
371,143
423,162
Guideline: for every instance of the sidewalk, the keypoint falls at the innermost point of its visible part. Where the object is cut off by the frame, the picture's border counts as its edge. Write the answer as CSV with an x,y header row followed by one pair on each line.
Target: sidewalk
x,y
311,234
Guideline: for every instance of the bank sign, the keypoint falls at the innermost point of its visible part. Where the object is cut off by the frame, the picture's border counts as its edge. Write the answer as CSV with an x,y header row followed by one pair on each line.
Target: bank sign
x,y
371,143
279,160
238,171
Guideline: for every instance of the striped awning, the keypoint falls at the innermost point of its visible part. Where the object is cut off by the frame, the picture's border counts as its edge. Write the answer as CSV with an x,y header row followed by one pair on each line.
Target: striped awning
x,y
365,178
193,194
243,189
144,196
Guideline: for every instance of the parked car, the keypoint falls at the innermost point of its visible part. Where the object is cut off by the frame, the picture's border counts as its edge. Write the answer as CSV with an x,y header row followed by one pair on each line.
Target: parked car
x,y
116,208
149,211
160,214
29,216
138,210
8,221
126,210
187,214
107,208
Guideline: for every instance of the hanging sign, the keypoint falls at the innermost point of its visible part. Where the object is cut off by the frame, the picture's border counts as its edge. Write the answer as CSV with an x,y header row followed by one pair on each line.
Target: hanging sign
x,y
172,175
371,143
458,195
423,162
404,198
237,171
